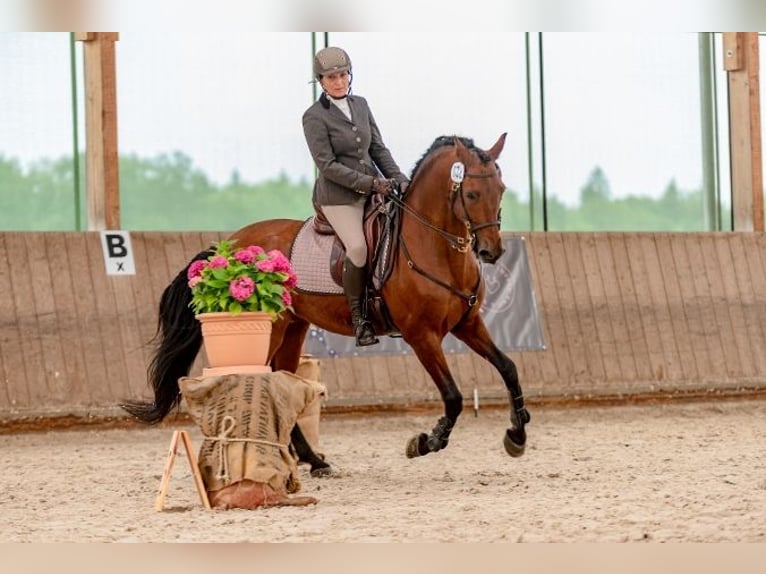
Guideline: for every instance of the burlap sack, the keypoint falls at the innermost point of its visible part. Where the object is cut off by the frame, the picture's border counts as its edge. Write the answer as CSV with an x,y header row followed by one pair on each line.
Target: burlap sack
x,y
246,420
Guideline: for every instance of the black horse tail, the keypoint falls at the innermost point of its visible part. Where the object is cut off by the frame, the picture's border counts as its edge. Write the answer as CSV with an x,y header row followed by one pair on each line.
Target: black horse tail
x,y
178,340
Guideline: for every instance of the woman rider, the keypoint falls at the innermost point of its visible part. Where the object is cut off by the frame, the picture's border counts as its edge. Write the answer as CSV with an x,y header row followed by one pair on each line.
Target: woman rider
x,y
353,163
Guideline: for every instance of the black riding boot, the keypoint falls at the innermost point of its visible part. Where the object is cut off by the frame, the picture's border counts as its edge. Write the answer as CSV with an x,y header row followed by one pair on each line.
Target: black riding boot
x,y
353,284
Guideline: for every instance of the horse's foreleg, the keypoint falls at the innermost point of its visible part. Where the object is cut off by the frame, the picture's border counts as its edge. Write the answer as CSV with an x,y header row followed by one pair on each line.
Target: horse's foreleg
x,y
431,356
473,332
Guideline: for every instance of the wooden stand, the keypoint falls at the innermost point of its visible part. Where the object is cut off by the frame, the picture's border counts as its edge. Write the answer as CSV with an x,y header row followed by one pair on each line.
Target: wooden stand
x,y
192,458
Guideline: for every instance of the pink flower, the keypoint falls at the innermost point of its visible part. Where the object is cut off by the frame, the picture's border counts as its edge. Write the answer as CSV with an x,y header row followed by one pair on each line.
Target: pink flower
x,y
195,269
245,256
219,262
281,263
292,279
265,265
194,280
255,249
287,299
241,288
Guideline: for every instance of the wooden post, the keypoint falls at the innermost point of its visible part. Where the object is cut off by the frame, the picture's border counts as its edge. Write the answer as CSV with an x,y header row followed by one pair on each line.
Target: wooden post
x,y
741,61
193,465
102,169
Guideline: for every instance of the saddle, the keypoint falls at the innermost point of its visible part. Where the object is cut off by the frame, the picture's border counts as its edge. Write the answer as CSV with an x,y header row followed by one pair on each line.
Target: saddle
x,y
381,224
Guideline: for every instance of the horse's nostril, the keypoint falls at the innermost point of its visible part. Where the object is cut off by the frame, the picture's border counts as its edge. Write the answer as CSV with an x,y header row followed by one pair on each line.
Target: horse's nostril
x,y
487,256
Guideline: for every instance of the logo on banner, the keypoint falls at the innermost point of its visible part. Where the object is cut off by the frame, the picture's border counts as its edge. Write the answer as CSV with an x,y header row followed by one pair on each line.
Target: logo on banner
x,y
118,253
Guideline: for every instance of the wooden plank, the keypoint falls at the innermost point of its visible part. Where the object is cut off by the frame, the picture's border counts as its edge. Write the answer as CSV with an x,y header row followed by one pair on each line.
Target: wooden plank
x,y
70,326
108,322
52,367
626,258
603,330
344,381
532,362
671,281
134,355
145,311
16,393
695,330
102,165
83,258
616,316
745,136
582,259
703,297
731,363
748,301
648,350
733,51
167,471
559,366
660,331
548,302
26,319
191,456
754,247
738,335
570,343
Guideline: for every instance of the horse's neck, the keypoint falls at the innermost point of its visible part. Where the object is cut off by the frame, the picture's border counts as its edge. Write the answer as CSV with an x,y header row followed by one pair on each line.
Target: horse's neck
x,y
428,247
438,211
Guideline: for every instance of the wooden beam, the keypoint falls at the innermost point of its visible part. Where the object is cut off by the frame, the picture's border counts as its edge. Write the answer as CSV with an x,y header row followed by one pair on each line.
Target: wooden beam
x,y
101,160
741,60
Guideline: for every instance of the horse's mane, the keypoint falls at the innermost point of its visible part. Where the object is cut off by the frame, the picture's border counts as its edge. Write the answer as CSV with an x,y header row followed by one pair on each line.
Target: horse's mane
x,y
443,141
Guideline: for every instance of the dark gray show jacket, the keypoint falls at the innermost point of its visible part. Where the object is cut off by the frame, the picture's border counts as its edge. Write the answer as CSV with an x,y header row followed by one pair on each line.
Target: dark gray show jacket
x,y
347,153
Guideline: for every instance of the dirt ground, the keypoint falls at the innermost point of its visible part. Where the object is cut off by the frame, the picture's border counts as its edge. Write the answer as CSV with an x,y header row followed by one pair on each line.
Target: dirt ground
x,y
684,472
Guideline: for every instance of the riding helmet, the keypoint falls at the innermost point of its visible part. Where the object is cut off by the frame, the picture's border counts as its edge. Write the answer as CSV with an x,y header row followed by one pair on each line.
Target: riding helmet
x,y
331,60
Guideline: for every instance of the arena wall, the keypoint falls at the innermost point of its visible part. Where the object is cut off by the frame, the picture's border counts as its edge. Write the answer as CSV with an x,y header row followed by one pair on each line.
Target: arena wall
x,y
624,314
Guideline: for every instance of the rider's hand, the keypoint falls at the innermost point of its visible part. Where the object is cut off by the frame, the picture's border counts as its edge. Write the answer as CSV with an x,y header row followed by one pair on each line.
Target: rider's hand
x,y
382,186
403,187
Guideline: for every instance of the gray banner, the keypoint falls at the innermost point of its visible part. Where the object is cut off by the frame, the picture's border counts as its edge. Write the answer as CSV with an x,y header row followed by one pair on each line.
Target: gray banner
x,y
509,310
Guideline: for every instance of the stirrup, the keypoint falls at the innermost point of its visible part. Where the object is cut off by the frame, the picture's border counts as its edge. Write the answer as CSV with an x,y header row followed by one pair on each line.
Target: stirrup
x,y
365,335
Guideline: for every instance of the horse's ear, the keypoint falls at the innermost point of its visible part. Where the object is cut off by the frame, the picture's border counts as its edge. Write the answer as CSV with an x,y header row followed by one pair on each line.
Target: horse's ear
x,y
462,152
494,151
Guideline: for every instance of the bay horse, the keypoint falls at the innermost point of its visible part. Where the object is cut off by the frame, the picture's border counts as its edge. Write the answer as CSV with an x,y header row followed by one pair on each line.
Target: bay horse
x,y
450,219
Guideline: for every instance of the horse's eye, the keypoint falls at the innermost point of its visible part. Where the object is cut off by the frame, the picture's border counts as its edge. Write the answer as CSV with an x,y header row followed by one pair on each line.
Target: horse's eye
x,y
472,195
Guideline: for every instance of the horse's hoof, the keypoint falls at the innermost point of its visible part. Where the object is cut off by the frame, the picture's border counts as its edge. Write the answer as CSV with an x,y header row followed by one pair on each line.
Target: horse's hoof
x,y
322,472
514,446
417,446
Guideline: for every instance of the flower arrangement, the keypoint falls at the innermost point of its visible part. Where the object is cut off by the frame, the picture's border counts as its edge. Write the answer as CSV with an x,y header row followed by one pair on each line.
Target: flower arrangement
x,y
235,280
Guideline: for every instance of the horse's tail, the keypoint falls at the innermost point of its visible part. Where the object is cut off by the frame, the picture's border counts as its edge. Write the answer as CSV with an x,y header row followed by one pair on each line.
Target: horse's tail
x,y
178,340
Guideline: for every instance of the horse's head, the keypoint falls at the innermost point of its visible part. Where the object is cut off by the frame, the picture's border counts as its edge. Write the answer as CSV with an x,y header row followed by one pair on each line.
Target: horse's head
x,y
476,197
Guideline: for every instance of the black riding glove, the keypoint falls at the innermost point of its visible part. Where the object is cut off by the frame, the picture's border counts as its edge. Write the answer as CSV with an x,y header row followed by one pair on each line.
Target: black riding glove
x,y
382,186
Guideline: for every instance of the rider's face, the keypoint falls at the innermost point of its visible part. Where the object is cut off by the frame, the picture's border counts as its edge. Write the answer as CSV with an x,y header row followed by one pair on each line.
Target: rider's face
x,y
336,84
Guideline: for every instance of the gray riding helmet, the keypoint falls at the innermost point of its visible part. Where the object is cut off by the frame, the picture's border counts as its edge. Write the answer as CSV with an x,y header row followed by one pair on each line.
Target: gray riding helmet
x,y
330,60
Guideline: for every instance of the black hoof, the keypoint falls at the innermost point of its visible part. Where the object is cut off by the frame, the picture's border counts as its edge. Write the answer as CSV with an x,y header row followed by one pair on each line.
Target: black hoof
x,y
322,471
417,446
514,442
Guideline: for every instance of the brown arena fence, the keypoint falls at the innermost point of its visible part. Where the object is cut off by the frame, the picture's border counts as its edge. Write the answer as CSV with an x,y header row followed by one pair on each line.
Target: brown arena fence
x,y
624,315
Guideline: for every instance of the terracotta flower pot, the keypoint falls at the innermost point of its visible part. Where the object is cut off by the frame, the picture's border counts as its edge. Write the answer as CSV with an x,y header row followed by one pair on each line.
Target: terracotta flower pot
x,y
236,343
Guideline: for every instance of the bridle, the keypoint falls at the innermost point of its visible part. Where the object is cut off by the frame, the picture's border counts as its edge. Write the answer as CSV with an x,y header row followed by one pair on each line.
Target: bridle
x,y
458,242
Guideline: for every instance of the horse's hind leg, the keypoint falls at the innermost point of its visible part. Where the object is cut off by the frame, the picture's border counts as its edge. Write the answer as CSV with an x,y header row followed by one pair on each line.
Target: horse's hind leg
x,y
473,332
429,351
287,346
